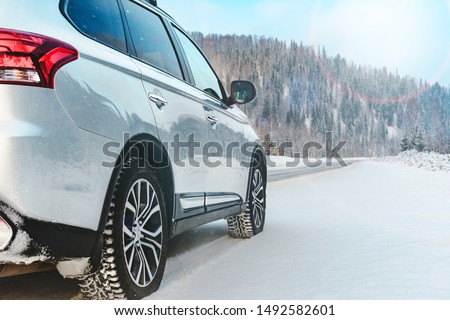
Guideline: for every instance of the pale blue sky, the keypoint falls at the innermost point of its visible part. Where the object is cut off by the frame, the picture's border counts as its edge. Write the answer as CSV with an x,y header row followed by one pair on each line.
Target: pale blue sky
x,y
412,36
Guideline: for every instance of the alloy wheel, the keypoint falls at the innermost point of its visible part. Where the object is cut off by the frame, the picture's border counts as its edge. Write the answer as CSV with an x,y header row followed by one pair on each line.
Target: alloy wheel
x,y
142,233
258,196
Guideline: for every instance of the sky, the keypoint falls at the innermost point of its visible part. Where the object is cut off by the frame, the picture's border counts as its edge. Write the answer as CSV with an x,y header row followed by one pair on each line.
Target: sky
x,y
411,37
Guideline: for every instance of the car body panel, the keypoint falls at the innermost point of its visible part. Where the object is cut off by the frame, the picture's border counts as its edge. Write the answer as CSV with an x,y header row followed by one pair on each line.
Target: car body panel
x,y
46,175
181,120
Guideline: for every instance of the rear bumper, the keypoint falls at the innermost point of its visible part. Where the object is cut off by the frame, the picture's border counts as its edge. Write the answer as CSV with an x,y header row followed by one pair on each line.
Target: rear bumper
x,y
39,241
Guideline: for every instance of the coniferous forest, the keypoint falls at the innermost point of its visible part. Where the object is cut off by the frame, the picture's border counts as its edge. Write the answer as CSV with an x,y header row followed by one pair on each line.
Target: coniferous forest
x,y
304,93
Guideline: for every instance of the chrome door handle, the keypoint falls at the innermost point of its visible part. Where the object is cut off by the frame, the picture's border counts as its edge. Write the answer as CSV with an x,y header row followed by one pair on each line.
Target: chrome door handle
x,y
158,100
212,118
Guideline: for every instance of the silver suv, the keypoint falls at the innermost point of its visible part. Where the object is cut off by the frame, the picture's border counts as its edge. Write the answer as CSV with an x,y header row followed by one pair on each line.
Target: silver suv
x,y
115,136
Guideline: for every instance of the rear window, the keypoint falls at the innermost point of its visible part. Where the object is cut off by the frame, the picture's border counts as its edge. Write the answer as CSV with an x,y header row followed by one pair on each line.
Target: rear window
x,y
151,40
99,20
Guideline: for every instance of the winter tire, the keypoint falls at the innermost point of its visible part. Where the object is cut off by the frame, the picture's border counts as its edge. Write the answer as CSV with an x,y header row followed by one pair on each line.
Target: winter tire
x,y
251,221
135,239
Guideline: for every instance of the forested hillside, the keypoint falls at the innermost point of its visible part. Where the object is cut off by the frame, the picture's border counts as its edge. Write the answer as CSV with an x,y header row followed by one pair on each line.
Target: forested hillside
x,y
303,93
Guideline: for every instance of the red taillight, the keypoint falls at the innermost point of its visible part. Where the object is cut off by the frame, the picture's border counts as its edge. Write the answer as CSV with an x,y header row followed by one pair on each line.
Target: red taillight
x,y
32,59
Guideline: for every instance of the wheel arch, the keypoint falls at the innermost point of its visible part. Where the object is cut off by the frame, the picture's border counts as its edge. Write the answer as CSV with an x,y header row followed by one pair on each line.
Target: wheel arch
x,y
148,148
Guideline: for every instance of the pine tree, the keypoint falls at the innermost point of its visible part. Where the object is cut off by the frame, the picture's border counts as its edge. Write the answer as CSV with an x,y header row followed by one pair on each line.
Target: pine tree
x,y
405,145
417,141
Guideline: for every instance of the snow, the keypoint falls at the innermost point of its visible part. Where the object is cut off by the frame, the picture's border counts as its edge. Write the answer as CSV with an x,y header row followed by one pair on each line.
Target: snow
x,y
14,254
283,162
21,242
393,132
427,160
372,230
11,214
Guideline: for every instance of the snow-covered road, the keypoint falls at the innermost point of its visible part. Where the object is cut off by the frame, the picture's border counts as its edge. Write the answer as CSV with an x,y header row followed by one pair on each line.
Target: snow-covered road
x,y
368,231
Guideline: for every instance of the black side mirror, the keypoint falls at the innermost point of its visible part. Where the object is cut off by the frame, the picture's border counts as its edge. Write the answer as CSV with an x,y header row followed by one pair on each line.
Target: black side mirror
x,y
242,92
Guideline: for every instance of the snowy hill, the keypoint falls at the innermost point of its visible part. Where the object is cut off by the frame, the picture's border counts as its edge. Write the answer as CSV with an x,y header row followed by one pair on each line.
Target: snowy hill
x,y
304,92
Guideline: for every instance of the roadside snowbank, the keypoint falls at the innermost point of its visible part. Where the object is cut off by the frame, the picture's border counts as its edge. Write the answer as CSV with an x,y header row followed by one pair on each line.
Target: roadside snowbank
x,y
427,160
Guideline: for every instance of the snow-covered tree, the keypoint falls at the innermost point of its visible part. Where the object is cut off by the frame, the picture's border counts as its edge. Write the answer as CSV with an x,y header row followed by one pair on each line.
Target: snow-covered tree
x,y
406,144
304,92
417,141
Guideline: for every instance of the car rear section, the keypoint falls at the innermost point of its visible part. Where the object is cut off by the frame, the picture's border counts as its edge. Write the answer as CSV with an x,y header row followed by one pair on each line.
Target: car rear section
x,y
49,204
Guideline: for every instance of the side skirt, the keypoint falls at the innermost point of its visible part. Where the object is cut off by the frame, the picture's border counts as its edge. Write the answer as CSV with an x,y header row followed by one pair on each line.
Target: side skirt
x,y
210,213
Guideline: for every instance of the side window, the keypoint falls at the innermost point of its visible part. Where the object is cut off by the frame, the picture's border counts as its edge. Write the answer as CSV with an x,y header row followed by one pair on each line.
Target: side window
x,y
151,40
204,77
98,19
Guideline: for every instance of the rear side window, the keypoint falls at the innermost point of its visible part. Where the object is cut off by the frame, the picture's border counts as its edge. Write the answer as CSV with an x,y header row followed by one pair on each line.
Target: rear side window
x,y
151,40
99,20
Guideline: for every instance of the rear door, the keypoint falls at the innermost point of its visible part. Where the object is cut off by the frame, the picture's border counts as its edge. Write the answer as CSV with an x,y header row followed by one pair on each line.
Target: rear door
x,y
176,105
